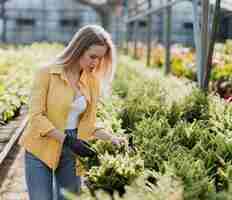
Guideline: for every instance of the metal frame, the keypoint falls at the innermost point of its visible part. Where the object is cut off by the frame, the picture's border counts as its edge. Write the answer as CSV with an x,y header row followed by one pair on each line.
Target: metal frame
x,y
202,34
167,12
153,11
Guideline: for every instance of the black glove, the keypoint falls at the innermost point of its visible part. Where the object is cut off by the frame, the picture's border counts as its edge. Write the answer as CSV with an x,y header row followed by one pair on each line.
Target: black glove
x,y
79,147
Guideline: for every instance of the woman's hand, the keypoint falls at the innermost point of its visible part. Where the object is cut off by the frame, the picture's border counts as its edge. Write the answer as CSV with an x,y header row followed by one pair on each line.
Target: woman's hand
x,y
79,147
119,141
101,134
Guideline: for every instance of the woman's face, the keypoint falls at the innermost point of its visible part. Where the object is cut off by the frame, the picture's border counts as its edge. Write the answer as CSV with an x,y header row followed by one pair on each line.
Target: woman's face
x,y
92,57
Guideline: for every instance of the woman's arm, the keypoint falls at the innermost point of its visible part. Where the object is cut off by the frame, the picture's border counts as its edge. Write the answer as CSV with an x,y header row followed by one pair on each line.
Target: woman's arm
x,y
102,135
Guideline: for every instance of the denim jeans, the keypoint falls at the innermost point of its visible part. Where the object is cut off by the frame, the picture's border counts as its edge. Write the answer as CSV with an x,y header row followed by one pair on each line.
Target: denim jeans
x,y
45,184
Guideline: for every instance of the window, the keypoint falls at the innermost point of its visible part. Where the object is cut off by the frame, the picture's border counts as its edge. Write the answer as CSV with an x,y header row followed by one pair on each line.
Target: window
x,y
25,22
142,23
69,22
188,25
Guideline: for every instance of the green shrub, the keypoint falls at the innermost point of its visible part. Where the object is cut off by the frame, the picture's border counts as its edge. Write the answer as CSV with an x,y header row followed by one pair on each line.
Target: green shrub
x,y
115,173
144,101
196,106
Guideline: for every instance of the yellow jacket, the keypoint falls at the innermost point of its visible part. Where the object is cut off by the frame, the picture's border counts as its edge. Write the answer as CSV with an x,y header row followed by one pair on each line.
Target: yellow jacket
x,y
50,101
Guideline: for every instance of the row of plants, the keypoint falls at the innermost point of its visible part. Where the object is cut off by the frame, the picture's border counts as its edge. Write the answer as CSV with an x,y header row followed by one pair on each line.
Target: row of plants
x,y
13,94
183,135
17,65
179,150
180,145
183,61
182,58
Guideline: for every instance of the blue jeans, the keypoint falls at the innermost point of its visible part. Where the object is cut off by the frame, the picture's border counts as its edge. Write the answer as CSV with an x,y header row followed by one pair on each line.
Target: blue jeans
x,y
42,181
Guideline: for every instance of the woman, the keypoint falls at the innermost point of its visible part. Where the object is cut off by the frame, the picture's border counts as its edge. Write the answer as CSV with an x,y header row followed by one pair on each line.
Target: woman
x,y
62,113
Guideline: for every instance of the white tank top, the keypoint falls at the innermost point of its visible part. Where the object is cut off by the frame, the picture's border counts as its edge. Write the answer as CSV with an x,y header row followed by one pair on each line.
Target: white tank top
x,y
78,106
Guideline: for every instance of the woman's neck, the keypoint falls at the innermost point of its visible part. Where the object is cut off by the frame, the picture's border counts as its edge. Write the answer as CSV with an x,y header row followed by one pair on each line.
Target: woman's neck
x,y
75,70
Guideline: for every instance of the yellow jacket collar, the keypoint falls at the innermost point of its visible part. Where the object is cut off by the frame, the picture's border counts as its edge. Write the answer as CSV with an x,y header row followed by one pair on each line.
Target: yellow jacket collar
x,y
84,79
60,70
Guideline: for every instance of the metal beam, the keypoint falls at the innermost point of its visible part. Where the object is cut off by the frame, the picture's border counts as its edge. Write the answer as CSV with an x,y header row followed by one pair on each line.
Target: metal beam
x,y
153,11
167,38
204,40
136,39
3,16
197,37
149,35
215,27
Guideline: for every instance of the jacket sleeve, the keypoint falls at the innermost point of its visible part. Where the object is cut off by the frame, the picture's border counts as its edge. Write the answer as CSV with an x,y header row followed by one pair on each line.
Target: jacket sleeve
x,y
37,107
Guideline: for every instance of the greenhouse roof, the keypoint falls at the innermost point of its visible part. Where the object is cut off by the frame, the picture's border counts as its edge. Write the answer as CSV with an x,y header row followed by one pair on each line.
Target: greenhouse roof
x,y
225,4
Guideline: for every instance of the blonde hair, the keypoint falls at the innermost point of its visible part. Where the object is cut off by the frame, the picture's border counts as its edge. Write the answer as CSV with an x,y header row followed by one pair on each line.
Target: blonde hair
x,y
87,36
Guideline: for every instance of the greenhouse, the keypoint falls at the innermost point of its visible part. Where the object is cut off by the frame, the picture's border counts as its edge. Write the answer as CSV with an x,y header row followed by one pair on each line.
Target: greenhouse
x,y
116,100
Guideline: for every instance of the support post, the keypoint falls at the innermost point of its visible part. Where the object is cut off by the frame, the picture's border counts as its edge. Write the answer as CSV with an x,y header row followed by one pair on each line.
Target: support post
x,y
215,28
197,37
3,12
135,39
127,39
204,39
149,36
167,38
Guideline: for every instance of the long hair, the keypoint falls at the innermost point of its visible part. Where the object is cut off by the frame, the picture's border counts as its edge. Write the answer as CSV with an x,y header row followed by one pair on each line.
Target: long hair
x,y
87,36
